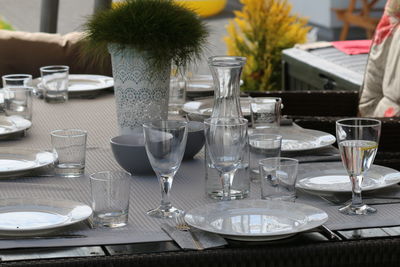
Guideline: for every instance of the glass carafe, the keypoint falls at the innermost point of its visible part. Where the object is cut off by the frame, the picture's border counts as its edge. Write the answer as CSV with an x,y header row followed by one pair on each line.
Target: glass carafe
x,y
226,71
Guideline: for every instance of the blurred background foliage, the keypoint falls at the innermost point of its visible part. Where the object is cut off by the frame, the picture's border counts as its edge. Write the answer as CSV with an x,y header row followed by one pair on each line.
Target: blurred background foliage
x,y
4,25
259,32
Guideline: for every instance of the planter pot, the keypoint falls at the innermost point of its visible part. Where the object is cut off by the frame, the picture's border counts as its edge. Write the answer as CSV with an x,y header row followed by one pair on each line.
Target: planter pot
x,y
141,92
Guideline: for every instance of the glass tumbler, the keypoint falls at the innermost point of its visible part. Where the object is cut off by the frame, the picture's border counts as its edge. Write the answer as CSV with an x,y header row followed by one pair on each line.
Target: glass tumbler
x,y
17,80
278,178
55,83
18,101
177,92
110,192
262,146
69,146
266,112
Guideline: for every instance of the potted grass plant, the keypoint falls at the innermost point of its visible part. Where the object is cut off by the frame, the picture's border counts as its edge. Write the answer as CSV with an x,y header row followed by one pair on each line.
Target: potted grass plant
x,y
144,37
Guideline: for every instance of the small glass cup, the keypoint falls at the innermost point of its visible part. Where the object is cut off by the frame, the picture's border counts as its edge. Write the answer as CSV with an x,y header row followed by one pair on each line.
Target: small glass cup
x,y
110,198
278,178
18,101
265,112
177,92
55,83
262,146
69,146
17,80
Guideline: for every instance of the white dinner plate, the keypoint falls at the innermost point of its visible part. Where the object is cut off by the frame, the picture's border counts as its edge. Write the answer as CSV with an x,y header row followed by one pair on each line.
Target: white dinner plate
x,y
296,139
255,220
11,125
31,216
19,161
327,178
84,82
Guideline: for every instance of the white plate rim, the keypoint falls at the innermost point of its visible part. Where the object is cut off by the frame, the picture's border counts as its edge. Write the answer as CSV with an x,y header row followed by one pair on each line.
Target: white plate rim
x,y
20,123
13,150
106,80
259,237
76,217
333,191
316,134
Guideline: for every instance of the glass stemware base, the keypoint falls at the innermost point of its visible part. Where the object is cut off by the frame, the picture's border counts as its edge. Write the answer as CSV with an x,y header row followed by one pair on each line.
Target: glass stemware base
x,y
357,210
164,212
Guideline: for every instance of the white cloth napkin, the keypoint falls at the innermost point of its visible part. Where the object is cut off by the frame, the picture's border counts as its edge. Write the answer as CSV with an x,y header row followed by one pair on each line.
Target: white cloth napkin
x,y
185,240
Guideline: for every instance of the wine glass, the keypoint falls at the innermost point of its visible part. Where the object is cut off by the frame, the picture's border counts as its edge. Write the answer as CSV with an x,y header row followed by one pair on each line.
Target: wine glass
x,y
226,139
165,143
358,140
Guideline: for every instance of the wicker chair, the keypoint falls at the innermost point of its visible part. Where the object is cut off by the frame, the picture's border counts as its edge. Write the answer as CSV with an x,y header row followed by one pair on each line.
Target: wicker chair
x,y
320,109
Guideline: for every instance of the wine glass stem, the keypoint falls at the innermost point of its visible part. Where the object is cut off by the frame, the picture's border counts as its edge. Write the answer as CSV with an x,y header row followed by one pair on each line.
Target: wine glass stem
x,y
165,184
356,181
227,179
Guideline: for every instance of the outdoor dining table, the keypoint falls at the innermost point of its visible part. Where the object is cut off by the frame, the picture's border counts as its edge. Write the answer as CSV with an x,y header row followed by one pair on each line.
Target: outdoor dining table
x,y
143,242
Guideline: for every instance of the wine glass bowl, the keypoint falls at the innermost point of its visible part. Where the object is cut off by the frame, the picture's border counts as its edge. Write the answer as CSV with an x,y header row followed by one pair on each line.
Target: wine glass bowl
x,y
226,139
165,143
358,140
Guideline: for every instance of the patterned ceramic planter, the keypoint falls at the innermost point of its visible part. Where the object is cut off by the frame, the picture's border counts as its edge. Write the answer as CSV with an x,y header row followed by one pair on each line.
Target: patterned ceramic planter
x,y
141,92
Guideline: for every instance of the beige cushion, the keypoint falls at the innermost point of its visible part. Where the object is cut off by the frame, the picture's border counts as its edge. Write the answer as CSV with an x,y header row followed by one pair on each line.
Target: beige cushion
x,y
24,52
381,88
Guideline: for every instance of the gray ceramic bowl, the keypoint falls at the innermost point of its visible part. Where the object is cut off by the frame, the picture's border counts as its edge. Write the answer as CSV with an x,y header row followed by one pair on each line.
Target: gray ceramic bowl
x,y
195,139
130,153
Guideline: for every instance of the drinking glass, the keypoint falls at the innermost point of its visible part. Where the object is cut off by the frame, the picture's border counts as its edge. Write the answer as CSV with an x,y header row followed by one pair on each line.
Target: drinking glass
x,y
226,140
165,143
278,178
110,198
177,92
358,140
69,145
17,80
262,146
55,83
266,112
18,101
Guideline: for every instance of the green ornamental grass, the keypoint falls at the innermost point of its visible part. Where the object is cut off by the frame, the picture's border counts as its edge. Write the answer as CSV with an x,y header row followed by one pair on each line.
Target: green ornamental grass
x,y
163,28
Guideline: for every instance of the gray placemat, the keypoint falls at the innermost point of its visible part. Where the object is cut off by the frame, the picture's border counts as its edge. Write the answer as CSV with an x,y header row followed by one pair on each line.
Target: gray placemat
x,y
98,117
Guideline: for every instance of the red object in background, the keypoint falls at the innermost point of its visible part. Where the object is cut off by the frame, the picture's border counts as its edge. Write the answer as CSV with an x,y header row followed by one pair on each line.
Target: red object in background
x,y
390,112
353,47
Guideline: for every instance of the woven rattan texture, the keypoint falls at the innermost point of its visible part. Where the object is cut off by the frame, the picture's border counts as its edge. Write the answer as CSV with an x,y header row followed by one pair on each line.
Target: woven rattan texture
x,y
365,253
